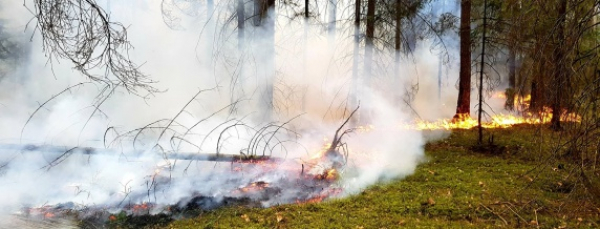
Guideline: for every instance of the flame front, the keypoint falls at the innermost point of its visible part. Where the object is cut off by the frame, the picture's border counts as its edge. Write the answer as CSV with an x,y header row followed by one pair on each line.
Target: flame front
x,y
496,121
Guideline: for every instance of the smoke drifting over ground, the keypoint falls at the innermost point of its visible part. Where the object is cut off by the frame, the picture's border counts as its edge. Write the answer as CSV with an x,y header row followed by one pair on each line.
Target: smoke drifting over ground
x,y
312,82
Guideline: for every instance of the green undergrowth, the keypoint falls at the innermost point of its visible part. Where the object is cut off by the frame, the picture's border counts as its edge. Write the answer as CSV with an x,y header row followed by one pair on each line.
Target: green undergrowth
x,y
516,183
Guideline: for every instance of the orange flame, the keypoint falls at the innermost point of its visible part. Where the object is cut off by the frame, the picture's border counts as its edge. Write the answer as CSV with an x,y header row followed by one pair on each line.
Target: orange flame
x,y
330,175
497,121
255,186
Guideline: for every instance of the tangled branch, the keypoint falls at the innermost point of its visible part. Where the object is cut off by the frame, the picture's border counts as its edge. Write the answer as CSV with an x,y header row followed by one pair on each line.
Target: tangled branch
x,y
82,32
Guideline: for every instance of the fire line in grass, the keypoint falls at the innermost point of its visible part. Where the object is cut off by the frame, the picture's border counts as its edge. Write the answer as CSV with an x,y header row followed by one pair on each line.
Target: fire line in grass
x,y
496,121
521,116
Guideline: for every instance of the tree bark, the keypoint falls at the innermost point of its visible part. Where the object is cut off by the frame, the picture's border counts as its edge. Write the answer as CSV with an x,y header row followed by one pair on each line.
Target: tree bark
x,y
480,106
305,9
559,67
512,79
370,35
463,106
511,92
538,86
398,31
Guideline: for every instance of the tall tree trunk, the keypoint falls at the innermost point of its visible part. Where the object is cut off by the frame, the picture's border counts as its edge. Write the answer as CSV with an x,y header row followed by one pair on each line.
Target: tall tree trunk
x,y
397,45
306,9
463,107
370,35
538,97
266,79
354,94
240,20
481,68
237,83
365,115
304,55
332,20
512,79
538,86
511,91
398,29
559,57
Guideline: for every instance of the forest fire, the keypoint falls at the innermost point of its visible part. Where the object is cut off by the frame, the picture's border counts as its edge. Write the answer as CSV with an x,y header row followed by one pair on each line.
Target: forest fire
x,y
276,181
497,121
266,181
255,186
522,116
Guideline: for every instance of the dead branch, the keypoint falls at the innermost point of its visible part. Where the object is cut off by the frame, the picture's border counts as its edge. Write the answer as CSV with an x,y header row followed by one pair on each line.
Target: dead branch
x,y
279,127
68,89
82,32
335,143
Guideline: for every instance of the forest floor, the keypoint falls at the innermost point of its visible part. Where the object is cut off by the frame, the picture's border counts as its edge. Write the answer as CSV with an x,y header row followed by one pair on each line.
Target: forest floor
x,y
518,182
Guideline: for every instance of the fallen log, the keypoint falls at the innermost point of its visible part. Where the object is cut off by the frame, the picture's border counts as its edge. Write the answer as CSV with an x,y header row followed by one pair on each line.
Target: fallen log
x,y
190,156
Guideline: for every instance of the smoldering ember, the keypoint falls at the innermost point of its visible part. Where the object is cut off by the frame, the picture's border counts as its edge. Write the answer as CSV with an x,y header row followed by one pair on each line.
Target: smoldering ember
x,y
310,114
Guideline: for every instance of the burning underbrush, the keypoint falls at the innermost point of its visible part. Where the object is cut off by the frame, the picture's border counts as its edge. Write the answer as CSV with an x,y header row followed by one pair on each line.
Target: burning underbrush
x,y
164,185
520,115
246,182
189,183
171,184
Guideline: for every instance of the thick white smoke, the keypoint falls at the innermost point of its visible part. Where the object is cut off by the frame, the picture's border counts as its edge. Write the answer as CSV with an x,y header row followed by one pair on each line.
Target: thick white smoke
x,y
313,79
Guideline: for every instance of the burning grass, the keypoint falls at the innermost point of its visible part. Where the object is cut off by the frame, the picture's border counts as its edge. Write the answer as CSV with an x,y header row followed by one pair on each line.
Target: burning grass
x,y
456,188
495,121
521,115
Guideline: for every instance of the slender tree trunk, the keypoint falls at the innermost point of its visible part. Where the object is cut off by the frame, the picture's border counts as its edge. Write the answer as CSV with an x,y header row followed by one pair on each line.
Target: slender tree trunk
x,y
306,9
332,20
559,63
370,35
440,74
397,45
511,92
480,103
365,115
240,19
537,93
237,84
398,29
538,87
354,94
304,55
463,107
596,116
512,79
266,79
